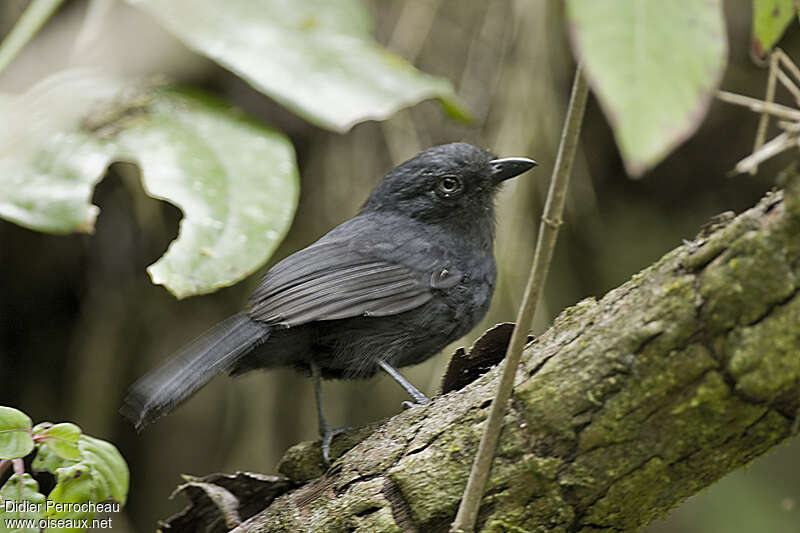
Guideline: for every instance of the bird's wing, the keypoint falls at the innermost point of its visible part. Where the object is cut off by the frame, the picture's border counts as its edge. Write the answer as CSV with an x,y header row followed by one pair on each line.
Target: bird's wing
x,y
329,280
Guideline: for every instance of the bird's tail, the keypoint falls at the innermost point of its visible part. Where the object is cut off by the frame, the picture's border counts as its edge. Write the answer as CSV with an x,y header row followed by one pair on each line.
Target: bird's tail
x,y
214,352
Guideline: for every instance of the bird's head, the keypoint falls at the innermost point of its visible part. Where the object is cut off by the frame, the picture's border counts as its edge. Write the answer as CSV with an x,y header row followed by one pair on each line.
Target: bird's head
x,y
447,181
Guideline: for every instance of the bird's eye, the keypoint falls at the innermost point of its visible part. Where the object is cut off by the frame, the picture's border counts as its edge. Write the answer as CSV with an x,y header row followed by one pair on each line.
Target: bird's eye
x,y
449,185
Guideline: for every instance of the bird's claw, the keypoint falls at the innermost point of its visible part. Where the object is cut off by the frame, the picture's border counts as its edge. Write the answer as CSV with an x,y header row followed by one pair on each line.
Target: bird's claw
x,y
418,403
327,437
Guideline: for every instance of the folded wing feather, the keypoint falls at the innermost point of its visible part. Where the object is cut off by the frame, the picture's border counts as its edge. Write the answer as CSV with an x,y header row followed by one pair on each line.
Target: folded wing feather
x,y
329,281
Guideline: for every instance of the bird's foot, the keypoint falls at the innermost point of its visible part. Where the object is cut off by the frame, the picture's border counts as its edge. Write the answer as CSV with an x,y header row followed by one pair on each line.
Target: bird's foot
x,y
327,437
418,402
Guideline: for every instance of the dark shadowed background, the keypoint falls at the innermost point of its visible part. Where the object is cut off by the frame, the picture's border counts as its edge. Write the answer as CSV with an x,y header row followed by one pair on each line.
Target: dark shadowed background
x,y
80,319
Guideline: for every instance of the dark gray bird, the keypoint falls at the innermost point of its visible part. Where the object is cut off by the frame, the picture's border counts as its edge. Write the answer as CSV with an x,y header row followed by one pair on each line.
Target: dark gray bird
x,y
413,271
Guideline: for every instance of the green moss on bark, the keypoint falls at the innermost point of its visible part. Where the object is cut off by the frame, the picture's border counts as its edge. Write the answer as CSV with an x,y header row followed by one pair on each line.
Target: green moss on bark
x,y
762,378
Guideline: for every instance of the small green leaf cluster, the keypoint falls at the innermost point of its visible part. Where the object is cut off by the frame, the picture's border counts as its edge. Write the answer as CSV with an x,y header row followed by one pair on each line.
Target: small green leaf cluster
x,y
90,473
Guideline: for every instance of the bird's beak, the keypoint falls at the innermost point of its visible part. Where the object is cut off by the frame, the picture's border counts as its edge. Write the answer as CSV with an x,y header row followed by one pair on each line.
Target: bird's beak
x,y
508,167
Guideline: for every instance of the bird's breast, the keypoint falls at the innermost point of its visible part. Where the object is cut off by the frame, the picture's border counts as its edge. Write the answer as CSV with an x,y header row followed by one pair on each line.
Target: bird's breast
x,y
469,300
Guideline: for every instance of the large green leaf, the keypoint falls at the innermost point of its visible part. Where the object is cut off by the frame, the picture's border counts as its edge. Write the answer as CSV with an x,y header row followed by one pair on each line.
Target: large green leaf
x,y
653,66
235,180
15,433
316,57
49,164
30,506
770,20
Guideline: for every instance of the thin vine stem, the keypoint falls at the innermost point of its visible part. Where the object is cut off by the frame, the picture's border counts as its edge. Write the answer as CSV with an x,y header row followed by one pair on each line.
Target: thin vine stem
x,y
548,233
28,25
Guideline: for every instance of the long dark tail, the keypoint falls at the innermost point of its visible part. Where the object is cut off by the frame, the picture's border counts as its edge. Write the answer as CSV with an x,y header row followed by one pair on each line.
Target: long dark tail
x,y
214,352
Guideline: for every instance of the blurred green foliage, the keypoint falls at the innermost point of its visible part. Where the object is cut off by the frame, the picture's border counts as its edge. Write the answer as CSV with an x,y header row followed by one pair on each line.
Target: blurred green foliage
x,y
316,57
770,20
654,67
194,151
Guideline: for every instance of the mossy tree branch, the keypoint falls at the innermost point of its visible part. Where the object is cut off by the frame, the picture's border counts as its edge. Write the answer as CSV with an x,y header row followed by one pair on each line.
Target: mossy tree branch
x,y
622,409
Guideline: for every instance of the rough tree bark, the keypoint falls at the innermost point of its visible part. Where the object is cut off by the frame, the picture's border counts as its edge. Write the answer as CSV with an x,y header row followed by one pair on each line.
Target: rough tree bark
x,y
622,409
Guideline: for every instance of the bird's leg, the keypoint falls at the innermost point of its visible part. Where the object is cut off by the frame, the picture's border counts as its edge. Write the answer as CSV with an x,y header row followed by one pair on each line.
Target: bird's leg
x,y
325,430
419,398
